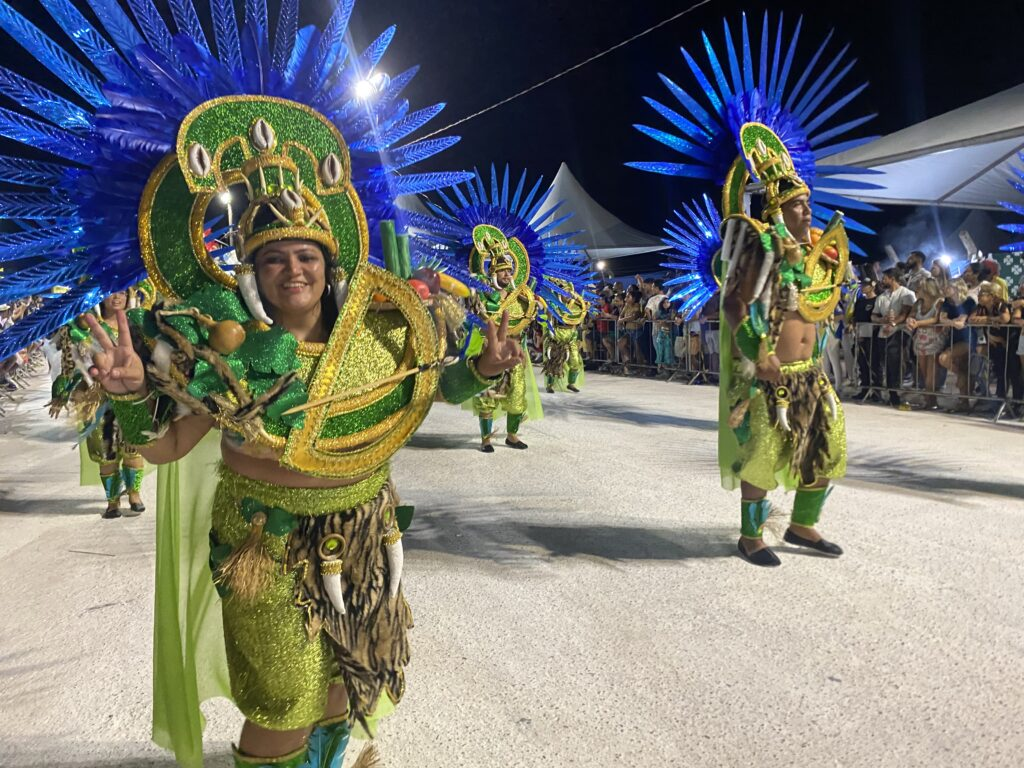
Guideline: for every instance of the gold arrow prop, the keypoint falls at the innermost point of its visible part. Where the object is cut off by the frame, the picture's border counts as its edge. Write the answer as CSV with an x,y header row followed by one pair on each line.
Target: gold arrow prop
x,y
362,388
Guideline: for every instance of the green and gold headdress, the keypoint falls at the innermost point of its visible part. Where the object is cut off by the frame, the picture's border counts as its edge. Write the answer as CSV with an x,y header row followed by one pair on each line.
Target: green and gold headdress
x,y
293,165
770,163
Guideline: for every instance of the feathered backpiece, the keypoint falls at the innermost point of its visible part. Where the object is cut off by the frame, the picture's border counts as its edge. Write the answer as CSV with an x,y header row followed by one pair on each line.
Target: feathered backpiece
x,y
132,80
754,86
1015,228
693,235
526,219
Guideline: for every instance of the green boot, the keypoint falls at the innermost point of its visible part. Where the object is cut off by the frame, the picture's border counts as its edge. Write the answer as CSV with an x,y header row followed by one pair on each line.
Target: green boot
x,y
112,488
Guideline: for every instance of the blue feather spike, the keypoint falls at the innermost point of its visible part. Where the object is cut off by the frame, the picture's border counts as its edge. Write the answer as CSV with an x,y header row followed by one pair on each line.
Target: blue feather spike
x,y
529,197
839,130
153,27
335,30
776,96
89,41
49,318
504,188
31,173
777,52
514,207
763,68
42,136
410,124
709,91
225,34
734,63
256,13
817,92
51,55
748,64
34,207
825,114
40,278
494,186
418,151
415,183
680,145
807,72
43,102
716,68
844,146
184,13
24,245
284,35
709,124
674,169
117,24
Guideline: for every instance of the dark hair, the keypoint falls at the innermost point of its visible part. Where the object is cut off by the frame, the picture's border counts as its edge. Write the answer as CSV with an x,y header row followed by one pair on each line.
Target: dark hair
x,y
892,272
920,254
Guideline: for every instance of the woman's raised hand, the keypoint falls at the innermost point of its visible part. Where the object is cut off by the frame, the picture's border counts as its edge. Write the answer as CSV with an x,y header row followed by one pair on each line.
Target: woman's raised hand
x,y
116,367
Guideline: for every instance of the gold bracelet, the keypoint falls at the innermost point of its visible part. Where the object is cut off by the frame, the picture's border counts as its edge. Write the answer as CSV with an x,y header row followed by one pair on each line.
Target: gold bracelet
x,y
130,397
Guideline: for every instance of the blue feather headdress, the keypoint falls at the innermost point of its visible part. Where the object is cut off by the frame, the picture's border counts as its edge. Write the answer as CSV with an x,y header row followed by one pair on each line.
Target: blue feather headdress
x,y
753,91
447,231
693,235
74,217
1015,228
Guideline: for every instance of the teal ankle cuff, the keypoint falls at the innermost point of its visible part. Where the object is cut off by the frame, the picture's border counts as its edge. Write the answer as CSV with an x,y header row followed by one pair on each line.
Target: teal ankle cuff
x,y
753,515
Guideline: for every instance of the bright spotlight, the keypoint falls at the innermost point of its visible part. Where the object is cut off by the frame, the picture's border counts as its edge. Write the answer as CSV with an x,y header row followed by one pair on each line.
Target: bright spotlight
x,y
945,259
365,90
225,197
600,266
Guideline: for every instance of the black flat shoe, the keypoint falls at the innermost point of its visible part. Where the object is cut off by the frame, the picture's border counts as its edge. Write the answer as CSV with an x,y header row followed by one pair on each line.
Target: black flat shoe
x,y
764,557
487,448
550,391
572,388
825,547
111,513
134,510
519,445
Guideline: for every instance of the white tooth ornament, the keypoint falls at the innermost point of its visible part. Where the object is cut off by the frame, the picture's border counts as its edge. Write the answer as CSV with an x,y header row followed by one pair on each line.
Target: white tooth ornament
x,y
330,575
331,550
262,135
340,288
396,559
251,295
782,408
199,160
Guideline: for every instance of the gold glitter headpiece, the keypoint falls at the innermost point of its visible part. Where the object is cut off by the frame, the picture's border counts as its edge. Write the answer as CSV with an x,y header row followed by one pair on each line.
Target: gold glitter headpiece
x,y
772,165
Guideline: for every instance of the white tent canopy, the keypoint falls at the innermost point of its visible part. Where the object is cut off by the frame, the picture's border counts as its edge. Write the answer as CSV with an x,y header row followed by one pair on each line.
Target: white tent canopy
x,y
604,235
961,159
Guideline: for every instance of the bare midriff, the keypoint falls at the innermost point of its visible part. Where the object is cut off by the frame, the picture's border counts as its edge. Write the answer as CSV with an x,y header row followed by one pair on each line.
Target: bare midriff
x,y
264,464
797,338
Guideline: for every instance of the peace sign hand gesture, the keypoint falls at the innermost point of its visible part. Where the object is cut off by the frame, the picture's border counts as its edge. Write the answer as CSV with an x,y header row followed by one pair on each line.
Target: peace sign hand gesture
x,y
117,368
501,353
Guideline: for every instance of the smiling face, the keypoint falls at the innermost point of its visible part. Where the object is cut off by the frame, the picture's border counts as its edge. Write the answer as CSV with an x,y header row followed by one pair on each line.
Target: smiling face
x,y
114,302
291,275
503,277
796,213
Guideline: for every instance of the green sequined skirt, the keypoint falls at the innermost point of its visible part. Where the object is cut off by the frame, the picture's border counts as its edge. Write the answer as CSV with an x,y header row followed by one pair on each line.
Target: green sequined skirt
x,y
287,645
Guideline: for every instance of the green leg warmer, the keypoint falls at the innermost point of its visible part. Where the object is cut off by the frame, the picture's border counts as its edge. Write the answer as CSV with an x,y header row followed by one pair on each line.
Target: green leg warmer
x,y
573,375
486,427
549,382
327,744
807,506
132,479
513,422
112,486
297,759
753,515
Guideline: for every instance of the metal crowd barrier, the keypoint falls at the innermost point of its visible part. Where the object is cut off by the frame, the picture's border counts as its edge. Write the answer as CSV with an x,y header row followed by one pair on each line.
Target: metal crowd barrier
x,y
982,369
869,366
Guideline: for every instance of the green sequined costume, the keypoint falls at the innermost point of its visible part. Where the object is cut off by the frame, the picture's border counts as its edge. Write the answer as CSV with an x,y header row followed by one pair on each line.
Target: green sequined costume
x,y
307,580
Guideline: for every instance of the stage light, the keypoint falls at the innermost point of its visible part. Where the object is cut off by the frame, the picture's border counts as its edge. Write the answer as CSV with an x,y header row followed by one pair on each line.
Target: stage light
x,y
225,197
364,90
600,266
945,259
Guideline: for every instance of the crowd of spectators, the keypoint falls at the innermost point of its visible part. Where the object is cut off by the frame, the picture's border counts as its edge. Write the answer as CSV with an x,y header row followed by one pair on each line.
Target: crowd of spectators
x,y
905,337
14,371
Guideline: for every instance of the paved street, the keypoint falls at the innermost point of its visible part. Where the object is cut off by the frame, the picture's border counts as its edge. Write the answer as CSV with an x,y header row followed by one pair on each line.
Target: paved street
x,y
581,604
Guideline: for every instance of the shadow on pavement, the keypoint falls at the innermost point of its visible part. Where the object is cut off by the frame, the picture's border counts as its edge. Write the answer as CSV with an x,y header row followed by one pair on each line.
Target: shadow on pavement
x,y
894,472
513,542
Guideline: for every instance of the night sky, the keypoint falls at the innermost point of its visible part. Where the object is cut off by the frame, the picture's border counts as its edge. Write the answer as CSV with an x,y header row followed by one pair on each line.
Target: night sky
x,y
920,59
